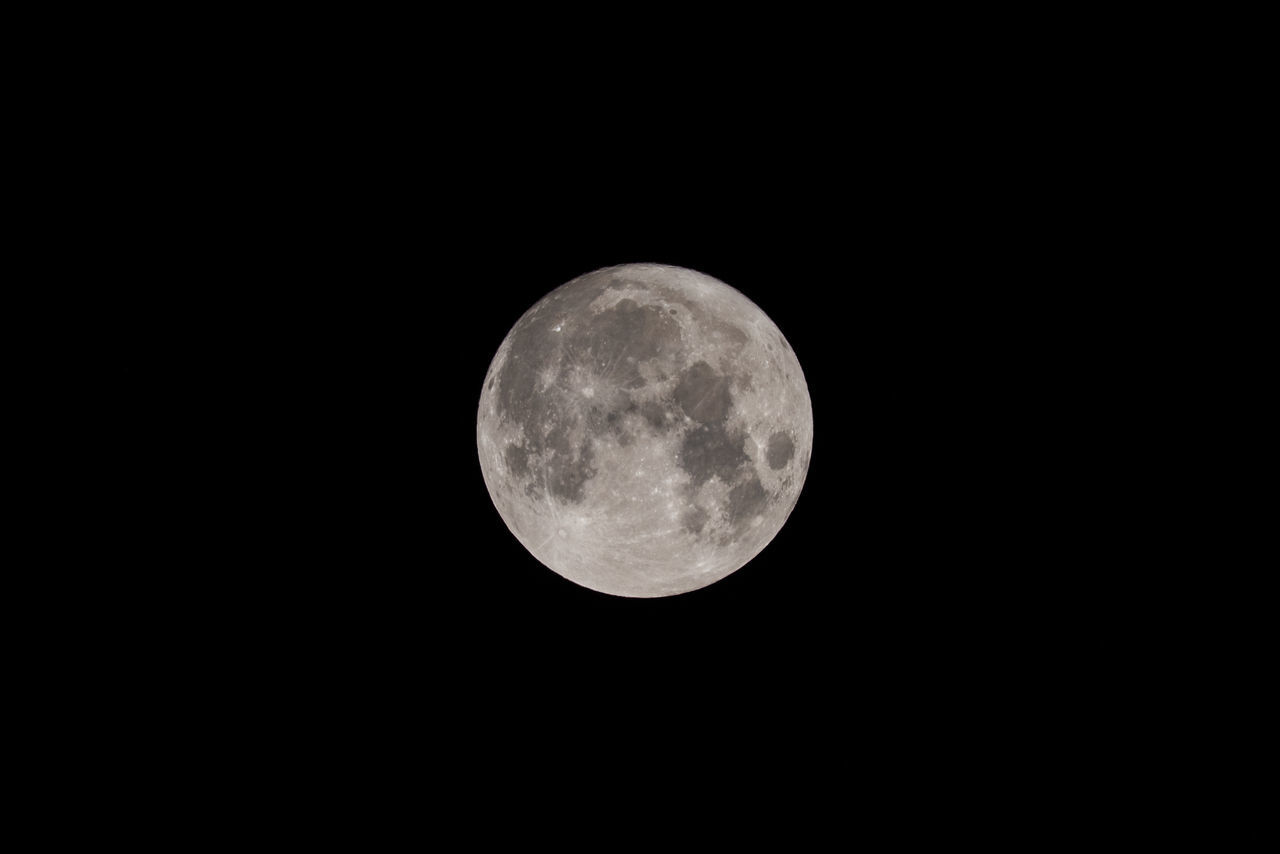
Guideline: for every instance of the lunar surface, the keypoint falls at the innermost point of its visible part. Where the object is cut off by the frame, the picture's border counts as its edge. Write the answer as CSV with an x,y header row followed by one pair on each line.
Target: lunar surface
x,y
644,430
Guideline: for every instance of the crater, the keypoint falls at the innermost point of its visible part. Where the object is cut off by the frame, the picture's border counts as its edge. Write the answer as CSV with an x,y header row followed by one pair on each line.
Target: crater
x,y
781,450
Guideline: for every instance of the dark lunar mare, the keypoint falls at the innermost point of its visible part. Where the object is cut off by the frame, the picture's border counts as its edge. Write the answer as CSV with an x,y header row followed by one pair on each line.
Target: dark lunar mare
x,y
617,340
709,450
546,457
703,394
746,500
780,451
611,344
694,520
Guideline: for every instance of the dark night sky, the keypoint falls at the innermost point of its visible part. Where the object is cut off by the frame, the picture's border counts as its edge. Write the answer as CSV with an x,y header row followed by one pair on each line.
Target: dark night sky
x,y
359,309
902,286
304,251
343,294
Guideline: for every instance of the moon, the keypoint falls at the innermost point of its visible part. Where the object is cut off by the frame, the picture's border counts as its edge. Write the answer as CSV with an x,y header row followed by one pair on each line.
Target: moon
x,y
644,430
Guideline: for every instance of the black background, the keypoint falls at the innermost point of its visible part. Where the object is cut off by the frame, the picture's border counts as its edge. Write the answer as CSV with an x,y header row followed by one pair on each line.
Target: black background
x,y
315,277
925,554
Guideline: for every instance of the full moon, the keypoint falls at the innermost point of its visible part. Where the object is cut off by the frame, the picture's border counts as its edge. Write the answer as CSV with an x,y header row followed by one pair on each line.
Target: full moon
x,y
644,430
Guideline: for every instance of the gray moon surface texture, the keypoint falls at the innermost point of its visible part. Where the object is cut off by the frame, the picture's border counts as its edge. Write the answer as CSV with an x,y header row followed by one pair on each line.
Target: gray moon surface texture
x,y
644,430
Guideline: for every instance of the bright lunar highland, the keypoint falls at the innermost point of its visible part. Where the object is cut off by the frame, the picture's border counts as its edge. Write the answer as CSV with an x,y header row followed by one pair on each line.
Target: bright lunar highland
x,y
644,430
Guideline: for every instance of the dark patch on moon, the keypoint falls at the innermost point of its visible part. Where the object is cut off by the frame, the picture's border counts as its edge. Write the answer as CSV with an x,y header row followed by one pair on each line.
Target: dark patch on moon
x,y
534,487
598,423
517,460
746,500
708,451
613,425
538,344
781,449
694,520
703,394
619,338
568,475
557,438
534,347
654,413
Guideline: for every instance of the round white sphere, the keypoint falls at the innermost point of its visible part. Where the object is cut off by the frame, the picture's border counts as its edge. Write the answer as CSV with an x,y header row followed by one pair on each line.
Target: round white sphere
x,y
644,430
